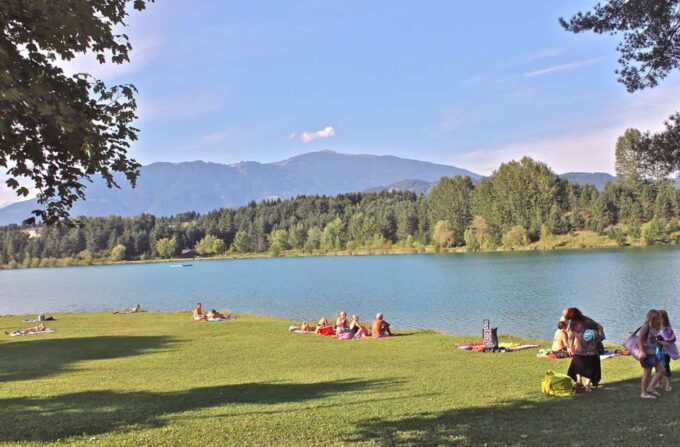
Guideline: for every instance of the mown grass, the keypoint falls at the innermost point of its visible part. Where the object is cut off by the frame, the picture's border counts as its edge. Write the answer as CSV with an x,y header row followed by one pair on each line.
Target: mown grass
x,y
161,379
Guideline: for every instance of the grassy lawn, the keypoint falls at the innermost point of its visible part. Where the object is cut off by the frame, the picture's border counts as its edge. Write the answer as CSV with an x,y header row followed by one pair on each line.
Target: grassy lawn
x,y
160,379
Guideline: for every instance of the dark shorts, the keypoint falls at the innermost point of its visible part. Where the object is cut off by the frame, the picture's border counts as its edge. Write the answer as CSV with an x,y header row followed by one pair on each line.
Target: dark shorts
x,y
649,362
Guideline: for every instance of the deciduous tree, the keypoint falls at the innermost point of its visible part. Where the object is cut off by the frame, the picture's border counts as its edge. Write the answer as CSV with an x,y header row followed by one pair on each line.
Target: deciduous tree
x,y
56,130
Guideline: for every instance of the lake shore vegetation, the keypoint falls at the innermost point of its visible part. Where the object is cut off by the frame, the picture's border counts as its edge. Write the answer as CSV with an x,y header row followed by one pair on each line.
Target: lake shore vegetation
x,y
524,205
161,379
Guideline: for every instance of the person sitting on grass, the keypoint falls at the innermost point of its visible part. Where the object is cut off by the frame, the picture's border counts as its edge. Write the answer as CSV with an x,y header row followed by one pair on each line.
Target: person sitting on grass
x,y
214,315
356,328
31,330
323,328
380,327
341,324
198,313
560,340
306,327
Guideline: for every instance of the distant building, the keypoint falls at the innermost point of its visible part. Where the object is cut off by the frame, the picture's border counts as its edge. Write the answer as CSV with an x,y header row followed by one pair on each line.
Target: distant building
x,y
33,232
188,253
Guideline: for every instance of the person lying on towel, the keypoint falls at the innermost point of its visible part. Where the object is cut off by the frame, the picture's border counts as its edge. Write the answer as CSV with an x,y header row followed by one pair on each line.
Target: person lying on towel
x,y
30,330
215,315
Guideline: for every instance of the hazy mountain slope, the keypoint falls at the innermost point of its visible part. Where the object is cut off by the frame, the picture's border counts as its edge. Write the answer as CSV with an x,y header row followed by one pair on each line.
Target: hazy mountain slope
x,y
169,188
416,186
597,179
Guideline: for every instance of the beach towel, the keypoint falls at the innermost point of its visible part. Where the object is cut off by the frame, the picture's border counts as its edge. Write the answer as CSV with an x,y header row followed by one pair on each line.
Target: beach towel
x,y
326,330
21,332
469,346
548,354
520,347
344,336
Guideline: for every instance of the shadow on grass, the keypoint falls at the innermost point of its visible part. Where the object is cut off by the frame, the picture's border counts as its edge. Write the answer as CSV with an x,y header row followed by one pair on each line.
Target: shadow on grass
x,y
614,414
95,412
27,360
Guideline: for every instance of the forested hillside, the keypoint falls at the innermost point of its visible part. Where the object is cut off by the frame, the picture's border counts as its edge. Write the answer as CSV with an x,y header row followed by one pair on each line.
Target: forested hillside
x,y
521,203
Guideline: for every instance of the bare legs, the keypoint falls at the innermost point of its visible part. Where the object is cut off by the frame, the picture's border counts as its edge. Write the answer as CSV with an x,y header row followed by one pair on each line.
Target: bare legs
x,y
649,388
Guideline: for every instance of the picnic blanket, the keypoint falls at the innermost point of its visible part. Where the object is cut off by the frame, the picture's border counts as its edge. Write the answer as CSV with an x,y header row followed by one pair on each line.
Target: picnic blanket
x,y
547,354
21,332
37,320
502,347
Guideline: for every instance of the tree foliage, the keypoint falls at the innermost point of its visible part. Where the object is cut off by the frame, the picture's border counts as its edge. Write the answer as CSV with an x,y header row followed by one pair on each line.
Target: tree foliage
x,y
450,201
57,131
118,252
518,194
166,247
650,51
443,234
629,156
525,193
210,245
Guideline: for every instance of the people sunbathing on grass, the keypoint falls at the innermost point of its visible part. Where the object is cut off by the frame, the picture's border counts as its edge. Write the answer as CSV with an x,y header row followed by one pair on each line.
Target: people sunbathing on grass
x,y
380,327
323,328
198,313
126,310
31,330
560,339
356,328
341,324
214,315
346,329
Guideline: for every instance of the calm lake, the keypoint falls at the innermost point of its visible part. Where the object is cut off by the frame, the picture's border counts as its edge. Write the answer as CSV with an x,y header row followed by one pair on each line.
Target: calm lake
x,y
522,293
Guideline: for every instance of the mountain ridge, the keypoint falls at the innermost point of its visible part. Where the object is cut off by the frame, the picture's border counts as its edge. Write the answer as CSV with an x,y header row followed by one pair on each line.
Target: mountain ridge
x,y
166,188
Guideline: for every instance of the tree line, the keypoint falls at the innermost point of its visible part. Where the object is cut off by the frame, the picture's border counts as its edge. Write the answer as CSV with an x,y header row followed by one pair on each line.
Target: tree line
x,y
522,202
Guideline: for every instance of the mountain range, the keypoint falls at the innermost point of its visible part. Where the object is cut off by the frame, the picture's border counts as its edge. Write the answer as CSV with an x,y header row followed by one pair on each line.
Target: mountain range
x,y
165,189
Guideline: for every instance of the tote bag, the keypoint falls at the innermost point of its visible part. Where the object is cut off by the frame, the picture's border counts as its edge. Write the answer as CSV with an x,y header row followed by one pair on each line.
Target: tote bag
x,y
632,344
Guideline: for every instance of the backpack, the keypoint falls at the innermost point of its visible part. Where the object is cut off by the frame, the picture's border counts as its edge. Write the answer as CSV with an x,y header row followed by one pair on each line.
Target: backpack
x,y
490,336
556,384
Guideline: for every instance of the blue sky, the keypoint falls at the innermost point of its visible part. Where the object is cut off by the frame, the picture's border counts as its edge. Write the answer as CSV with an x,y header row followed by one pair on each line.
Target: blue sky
x,y
465,83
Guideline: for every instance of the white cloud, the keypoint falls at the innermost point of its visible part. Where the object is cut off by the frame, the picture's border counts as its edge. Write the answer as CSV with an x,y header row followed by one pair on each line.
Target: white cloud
x,y
217,136
589,148
561,67
7,196
177,107
308,137
592,151
535,56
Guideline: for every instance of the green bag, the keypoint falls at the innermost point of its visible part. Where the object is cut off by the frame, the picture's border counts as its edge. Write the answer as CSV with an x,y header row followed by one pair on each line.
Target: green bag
x,y
556,384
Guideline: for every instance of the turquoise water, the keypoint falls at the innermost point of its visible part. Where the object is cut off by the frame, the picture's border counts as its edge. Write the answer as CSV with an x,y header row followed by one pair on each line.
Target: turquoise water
x,y
522,293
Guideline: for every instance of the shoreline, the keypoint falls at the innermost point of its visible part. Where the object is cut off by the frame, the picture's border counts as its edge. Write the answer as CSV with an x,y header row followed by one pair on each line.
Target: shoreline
x,y
256,317
570,243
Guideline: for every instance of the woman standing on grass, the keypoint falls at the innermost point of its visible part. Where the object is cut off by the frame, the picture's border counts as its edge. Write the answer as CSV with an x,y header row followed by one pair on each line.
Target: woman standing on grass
x,y
647,343
584,336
